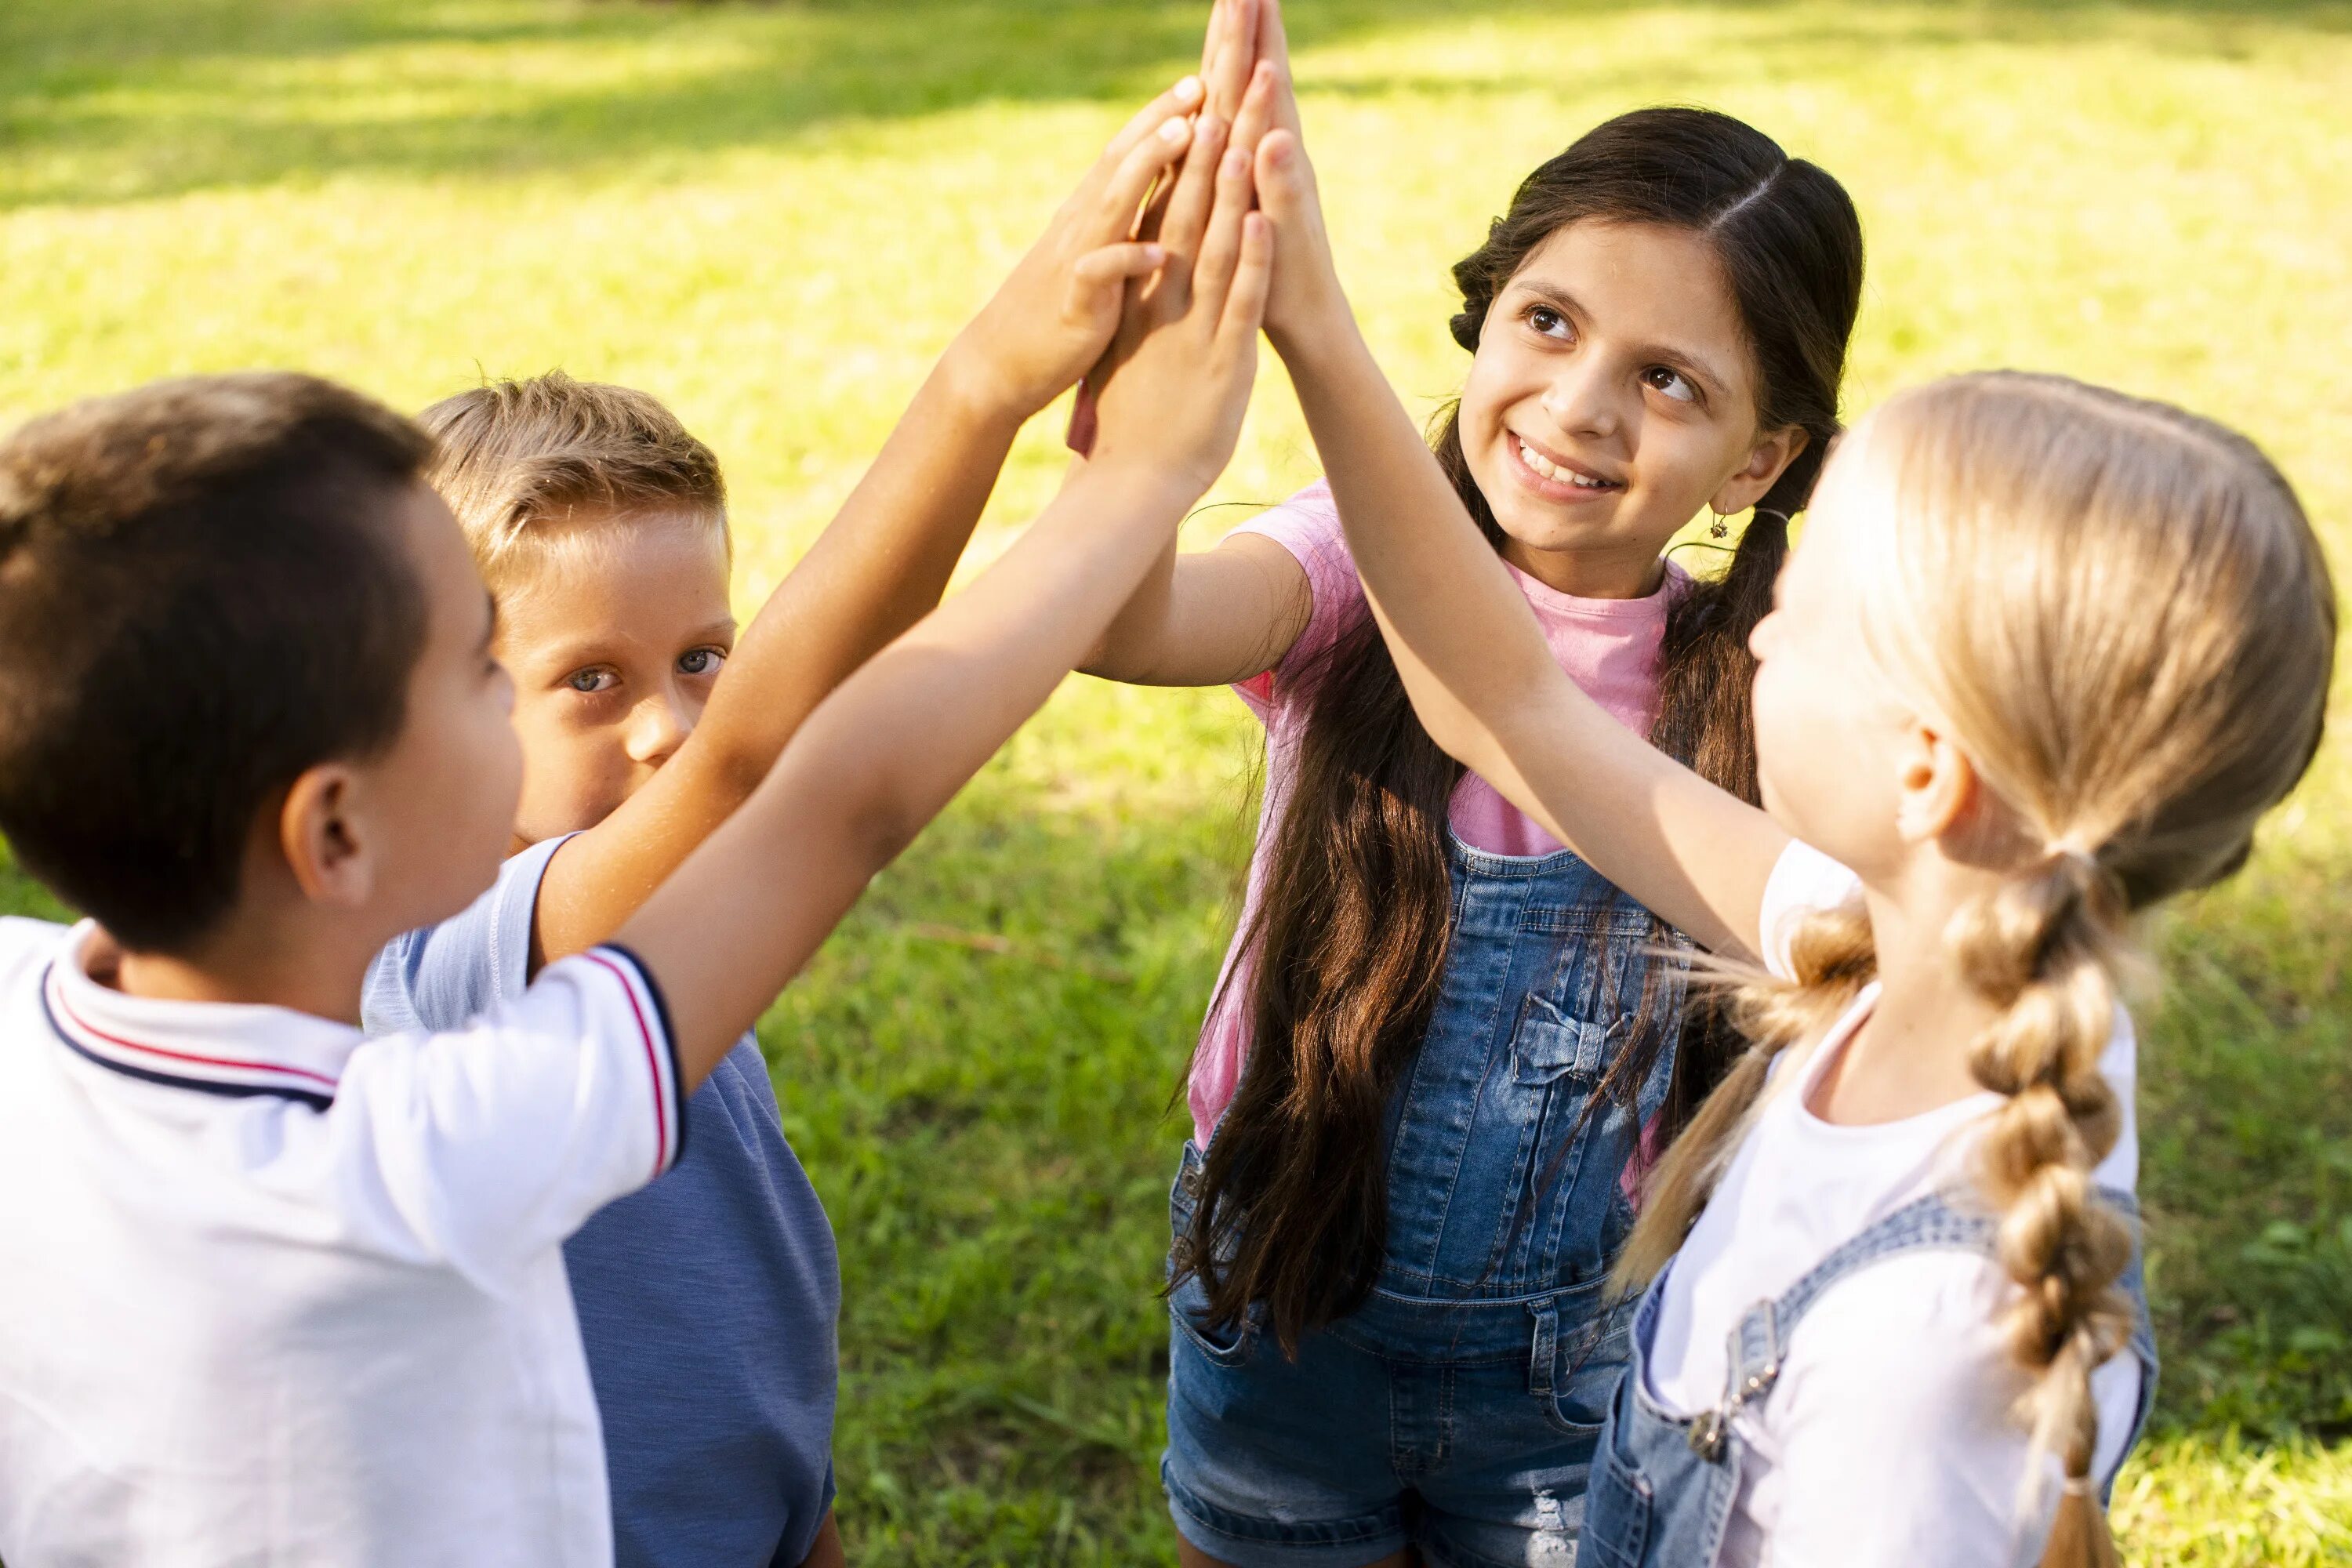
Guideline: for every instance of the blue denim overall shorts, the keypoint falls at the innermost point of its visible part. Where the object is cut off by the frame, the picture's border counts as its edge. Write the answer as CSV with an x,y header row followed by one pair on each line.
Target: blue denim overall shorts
x,y
1664,1490
1459,1407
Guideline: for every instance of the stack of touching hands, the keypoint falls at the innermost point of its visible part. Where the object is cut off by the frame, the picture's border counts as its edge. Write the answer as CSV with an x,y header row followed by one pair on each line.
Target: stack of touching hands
x,y
1667,1101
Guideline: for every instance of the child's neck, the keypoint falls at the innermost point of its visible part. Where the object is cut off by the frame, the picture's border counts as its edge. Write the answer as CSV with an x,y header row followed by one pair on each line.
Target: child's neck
x,y
1910,1055
310,973
1598,574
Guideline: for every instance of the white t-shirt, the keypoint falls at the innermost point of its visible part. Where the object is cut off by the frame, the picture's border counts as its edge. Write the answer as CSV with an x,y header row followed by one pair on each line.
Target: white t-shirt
x,y
275,1293
1888,1435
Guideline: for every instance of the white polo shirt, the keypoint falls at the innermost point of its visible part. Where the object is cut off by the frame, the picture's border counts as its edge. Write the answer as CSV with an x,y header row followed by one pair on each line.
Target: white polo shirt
x,y
272,1292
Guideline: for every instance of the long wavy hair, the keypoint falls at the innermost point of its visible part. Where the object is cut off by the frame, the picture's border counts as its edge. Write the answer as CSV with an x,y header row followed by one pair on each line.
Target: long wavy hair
x,y
1350,939
2120,614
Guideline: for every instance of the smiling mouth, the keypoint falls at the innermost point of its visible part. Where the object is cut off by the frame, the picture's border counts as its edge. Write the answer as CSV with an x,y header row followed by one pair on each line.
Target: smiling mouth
x,y
1560,473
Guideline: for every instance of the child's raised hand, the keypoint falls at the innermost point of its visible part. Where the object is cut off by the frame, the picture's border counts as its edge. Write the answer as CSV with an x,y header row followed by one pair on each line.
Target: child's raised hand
x,y
1173,404
1054,316
1306,297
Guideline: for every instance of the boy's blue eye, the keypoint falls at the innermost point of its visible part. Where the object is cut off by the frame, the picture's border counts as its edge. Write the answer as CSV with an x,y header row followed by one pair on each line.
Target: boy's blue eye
x,y
591,681
701,662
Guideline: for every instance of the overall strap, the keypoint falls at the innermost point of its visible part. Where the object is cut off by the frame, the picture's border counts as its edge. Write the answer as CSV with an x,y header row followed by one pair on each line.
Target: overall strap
x,y
1759,1342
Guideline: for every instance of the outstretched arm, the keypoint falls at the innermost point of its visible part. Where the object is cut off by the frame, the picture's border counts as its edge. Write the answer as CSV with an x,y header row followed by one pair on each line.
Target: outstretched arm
x,y
882,755
1473,661
886,557
1210,617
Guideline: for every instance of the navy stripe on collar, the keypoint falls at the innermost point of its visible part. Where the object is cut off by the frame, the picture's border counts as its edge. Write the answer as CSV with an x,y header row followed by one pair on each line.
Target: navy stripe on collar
x,y
315,1100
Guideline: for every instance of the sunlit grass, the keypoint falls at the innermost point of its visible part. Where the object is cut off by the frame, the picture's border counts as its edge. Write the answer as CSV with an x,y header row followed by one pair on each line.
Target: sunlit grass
x,y
774,216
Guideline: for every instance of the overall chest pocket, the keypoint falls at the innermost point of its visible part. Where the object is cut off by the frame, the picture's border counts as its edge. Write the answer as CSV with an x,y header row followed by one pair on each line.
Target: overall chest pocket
x,y
1551,1046
1567,1180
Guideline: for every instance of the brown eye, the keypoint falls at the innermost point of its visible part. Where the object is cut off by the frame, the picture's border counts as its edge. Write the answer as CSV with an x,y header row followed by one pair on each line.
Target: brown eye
x,y
1670,383
1546,320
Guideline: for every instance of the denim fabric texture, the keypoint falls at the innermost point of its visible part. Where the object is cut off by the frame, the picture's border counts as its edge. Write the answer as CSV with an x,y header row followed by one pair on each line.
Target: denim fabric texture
x,y
1665,1487
1459,1407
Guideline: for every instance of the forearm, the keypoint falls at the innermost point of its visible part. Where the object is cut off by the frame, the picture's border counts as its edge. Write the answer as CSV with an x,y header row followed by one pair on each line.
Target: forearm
x,y
883,755
1127,647
877,569
1472,658
1485,684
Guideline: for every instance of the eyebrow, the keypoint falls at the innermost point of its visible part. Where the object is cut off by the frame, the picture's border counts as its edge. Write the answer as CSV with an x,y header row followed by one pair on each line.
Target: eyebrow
x,y
1670,354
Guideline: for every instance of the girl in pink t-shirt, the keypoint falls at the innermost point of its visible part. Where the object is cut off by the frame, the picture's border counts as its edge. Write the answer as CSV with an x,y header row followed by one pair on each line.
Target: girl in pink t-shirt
x,y
1439,1034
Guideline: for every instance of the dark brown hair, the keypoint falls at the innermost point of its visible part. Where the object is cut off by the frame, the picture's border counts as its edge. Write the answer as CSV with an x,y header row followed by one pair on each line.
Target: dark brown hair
x,y
204,591
516,456
1350,939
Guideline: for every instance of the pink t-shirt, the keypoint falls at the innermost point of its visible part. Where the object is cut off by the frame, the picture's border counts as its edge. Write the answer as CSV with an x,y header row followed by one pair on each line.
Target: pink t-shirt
x,y
1608,646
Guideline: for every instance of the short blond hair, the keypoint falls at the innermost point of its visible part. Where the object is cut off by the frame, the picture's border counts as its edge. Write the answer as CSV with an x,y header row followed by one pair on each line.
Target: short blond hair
x,y
519,461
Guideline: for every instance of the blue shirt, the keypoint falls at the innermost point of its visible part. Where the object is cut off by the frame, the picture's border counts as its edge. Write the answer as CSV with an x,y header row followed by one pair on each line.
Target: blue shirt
x,y
708,1300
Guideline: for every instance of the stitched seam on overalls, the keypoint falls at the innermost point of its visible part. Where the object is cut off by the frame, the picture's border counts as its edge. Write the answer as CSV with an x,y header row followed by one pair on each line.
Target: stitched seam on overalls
x,y
1493,1010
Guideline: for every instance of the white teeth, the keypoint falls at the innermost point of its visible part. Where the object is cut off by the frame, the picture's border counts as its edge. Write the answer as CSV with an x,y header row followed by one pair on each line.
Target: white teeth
x,y
1552,470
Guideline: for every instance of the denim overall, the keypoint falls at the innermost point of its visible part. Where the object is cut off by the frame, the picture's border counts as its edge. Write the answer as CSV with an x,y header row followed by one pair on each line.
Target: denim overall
x,y
1460,1405
1663,1494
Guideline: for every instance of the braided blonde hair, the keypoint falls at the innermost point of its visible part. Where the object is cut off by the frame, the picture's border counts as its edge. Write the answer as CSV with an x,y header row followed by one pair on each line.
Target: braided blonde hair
x,y
2119,611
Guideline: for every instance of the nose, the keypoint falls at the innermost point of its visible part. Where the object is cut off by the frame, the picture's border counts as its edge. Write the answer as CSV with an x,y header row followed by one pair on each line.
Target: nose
x,y
1583,398
1760,635
656,729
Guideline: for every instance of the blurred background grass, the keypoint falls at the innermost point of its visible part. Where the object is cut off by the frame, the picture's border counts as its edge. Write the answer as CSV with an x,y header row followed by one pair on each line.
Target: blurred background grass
x,y
773,216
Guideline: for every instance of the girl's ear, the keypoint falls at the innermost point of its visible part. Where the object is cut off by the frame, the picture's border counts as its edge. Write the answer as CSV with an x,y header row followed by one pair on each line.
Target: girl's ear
x,y
1938,790
321,832
1772,456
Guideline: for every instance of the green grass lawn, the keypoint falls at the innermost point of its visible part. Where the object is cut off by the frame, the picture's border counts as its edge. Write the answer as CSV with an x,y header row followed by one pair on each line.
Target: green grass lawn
x,y
773,216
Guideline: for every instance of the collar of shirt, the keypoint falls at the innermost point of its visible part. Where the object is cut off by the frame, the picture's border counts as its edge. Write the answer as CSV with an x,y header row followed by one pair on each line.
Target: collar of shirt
x,y
214,1047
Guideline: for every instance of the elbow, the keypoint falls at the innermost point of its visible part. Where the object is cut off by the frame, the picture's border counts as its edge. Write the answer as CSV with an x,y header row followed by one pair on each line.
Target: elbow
x,y
1457,736
1456,731
877,828
736,774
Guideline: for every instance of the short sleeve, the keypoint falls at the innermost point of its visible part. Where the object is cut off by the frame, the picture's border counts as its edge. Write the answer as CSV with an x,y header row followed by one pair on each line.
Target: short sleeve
x,y
1308,525
1803,882
482,1148
442,976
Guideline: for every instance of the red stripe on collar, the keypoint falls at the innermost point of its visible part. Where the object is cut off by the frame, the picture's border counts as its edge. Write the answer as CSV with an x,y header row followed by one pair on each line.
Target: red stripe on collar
x,y
100,1040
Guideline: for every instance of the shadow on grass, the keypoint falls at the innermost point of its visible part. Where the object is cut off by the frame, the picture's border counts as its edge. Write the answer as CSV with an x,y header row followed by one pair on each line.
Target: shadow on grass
x,y
116,100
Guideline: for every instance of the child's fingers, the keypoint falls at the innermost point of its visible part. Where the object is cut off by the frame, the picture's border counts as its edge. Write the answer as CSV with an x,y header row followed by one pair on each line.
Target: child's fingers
x,y
1188,205
1122,195
1114,264
1253,281
1256,116
1285,180
1214,37
1273,48
1221,246
1229,74
1178,102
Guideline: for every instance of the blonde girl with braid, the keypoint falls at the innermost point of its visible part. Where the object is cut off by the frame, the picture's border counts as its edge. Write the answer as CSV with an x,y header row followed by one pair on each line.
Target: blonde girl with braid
x,y
2043,657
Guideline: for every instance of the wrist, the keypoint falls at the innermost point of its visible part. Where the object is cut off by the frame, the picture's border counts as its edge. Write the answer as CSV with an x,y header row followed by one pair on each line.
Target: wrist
x,y
1324,337
974,389
1115,482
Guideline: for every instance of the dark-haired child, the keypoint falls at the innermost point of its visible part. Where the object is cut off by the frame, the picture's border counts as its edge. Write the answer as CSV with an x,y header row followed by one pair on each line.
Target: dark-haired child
x,y
278,1292
1427,1068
